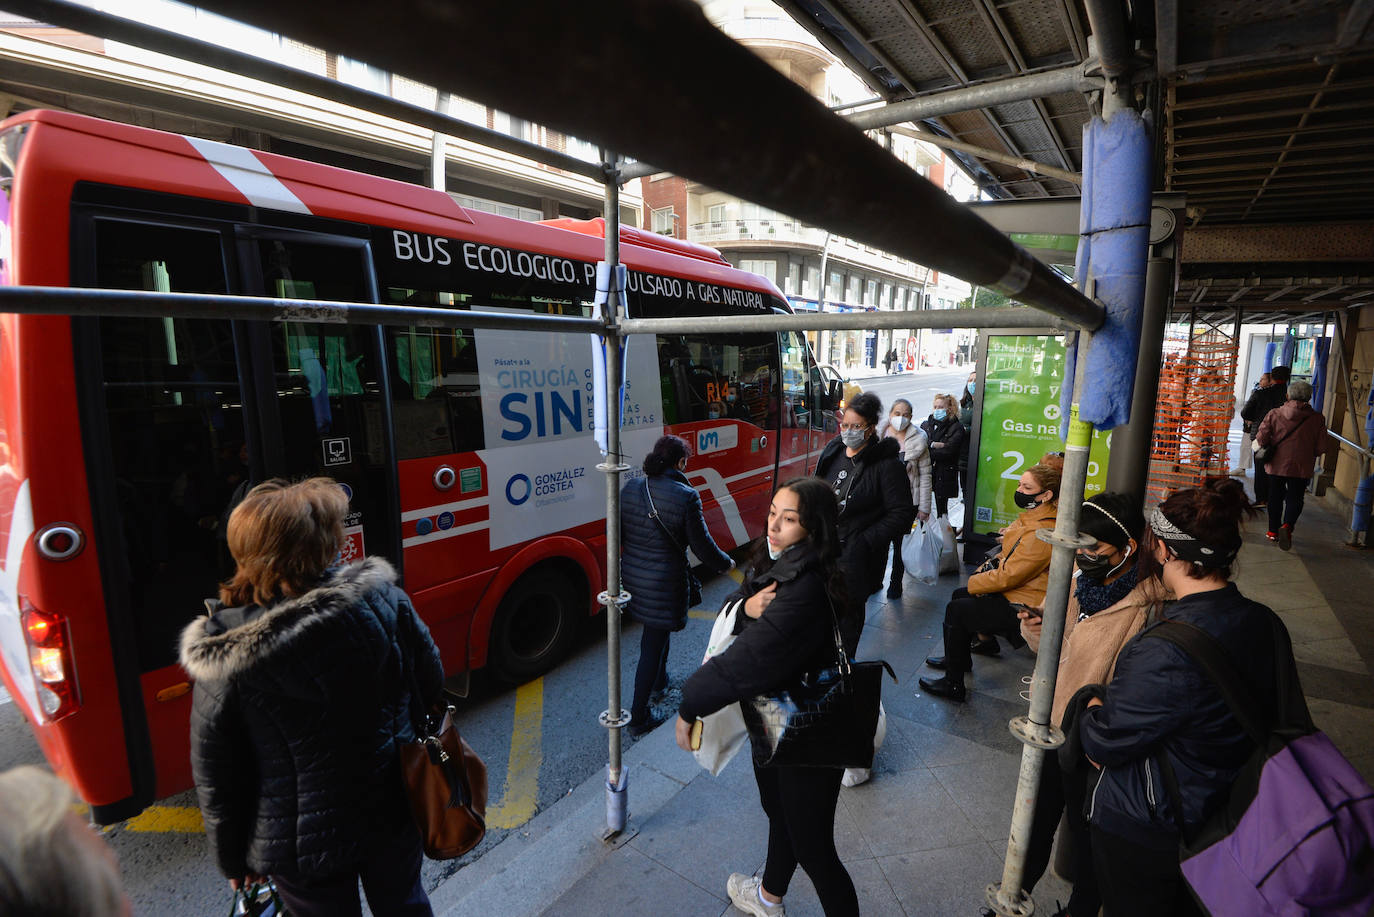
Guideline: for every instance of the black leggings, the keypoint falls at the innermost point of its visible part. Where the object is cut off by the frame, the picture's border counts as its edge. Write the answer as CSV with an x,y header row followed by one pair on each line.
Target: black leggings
x,y
652,672
800,803
1061,793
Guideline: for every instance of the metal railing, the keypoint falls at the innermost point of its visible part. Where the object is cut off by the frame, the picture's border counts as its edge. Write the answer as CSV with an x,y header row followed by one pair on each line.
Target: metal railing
x,y
1354,447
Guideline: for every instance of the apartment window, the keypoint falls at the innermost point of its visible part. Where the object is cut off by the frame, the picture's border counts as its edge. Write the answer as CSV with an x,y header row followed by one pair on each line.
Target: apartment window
x,y
854,290
834,289
811,286
716,213
661,220
793,279
871,293
766,268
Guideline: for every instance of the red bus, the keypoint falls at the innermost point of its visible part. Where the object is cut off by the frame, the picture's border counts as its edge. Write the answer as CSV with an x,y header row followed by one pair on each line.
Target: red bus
x,y
467,453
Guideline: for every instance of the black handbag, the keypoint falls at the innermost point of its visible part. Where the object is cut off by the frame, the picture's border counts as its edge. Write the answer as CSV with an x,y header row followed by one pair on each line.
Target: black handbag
x,y
825,719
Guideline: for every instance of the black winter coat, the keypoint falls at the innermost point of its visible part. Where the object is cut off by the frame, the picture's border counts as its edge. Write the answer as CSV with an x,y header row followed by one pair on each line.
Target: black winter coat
x,y
877,509
653,569
946,458
298,713
794,635
1159,702
1260,403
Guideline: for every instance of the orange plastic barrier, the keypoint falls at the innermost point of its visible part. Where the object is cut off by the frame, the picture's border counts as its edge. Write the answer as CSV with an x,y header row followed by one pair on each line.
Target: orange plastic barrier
x,y
1193,412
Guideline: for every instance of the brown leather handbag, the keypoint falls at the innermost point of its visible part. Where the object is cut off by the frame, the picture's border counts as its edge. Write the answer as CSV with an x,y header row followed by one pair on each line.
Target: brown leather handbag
x,y
447,786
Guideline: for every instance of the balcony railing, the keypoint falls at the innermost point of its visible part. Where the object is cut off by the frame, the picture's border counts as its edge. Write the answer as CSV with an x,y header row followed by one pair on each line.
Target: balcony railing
x,y
792,232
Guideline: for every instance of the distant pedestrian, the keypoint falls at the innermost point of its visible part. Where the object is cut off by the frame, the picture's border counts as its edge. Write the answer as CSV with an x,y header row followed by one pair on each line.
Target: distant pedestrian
x,y
793,591
946,435
1257,407
889,358
1296,433
914,454
52,863
660,516
307,675
874,496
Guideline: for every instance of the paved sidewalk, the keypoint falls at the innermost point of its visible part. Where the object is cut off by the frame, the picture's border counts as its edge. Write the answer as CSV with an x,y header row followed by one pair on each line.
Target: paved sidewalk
x,y
927,834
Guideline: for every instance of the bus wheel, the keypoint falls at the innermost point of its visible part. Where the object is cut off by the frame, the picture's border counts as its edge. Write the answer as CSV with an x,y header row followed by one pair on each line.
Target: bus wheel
x,y
534,625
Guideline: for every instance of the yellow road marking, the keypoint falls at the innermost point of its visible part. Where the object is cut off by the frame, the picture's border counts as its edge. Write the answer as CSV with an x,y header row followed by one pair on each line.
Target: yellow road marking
x,y
702,615
520,796
736,574
171,819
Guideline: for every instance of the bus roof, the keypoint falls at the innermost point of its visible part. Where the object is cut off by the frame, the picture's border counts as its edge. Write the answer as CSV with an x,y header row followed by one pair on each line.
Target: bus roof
x,y
73,148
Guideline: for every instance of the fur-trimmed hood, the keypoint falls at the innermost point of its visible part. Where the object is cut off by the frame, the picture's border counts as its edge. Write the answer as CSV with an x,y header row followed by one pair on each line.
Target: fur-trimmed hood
x,y
228,641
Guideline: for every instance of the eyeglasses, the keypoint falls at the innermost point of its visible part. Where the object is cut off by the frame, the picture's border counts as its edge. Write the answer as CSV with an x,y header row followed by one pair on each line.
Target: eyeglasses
x,y
849,427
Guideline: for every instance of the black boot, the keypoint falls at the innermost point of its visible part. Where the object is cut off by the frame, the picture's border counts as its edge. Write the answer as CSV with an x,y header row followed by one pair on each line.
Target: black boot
x,y
894,591
950,687
935,662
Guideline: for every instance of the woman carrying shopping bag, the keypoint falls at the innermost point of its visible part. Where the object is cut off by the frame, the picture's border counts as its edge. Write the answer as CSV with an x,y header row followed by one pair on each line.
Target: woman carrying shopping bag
x,y
914,452
304,672
793,590
946,435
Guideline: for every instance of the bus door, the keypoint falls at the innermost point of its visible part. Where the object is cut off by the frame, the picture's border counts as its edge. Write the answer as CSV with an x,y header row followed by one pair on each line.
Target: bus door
x,y
180,417
322,406
794,435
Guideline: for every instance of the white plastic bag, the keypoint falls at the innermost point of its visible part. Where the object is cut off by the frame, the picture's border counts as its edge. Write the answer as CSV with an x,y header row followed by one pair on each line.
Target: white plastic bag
x,y
949,548
853,776
723,733
921,551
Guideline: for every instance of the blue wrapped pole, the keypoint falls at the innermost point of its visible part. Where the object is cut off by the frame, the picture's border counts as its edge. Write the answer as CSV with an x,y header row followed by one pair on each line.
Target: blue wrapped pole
x,y
1112,255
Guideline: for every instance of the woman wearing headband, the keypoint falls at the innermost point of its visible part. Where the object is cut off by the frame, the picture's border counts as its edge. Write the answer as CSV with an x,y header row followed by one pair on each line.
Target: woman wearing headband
x,y
1160,705
1107,607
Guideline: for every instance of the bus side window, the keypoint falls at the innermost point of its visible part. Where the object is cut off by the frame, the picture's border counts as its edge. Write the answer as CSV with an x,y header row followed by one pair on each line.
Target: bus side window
x,y
706,378
439,409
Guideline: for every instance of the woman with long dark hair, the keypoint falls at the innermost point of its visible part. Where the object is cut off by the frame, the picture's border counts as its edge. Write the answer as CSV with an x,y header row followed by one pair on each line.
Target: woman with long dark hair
x,y
1160,709
793,589
307,675
660,516
875,506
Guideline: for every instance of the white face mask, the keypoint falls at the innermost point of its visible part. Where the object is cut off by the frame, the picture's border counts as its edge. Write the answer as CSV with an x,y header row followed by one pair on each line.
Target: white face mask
x,y
774,555
899,422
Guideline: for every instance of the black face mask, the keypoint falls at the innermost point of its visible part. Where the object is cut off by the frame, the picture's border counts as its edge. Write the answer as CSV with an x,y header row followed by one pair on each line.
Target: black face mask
x,y
1097,567
1025,501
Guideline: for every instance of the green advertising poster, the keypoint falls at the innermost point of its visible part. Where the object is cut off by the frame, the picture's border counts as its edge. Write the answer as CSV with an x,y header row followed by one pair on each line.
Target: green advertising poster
x,y
1023,376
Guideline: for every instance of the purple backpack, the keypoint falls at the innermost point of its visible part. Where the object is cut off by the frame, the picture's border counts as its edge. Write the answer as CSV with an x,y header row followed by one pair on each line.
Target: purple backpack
x,y
1296,833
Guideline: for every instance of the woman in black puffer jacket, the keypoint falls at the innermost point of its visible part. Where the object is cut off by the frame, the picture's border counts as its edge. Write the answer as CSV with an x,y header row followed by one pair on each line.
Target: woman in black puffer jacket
x,y
660,516
304,674
869,480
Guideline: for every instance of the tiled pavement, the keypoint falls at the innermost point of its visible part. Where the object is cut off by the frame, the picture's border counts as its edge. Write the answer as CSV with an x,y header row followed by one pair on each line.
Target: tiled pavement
x,y
928,832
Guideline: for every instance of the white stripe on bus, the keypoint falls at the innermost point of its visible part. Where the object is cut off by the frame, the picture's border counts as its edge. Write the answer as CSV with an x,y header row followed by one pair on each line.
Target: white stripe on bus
x,y
246,172
454,508
721,491
748,474
447,533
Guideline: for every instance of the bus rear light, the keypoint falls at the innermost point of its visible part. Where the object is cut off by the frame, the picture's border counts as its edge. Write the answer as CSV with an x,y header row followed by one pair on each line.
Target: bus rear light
x,y
50,658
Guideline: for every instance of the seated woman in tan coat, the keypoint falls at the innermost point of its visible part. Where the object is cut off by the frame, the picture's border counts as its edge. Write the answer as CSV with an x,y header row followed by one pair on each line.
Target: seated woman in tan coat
x,y
1107,607
1018,575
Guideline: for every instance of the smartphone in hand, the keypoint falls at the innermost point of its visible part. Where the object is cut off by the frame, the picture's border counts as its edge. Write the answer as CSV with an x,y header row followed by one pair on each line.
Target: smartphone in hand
x,y
1030,612
694,738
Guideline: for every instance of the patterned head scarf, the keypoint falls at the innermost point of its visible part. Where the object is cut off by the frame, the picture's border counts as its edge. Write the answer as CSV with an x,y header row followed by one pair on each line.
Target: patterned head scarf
x,y
1190,548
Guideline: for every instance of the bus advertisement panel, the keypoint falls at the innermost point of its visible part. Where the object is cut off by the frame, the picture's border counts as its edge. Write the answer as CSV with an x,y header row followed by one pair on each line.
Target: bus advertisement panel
x,y
1019,423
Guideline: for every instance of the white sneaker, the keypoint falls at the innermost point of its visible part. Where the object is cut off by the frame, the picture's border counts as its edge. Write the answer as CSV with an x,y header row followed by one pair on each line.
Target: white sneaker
x,y
744,895
853,776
